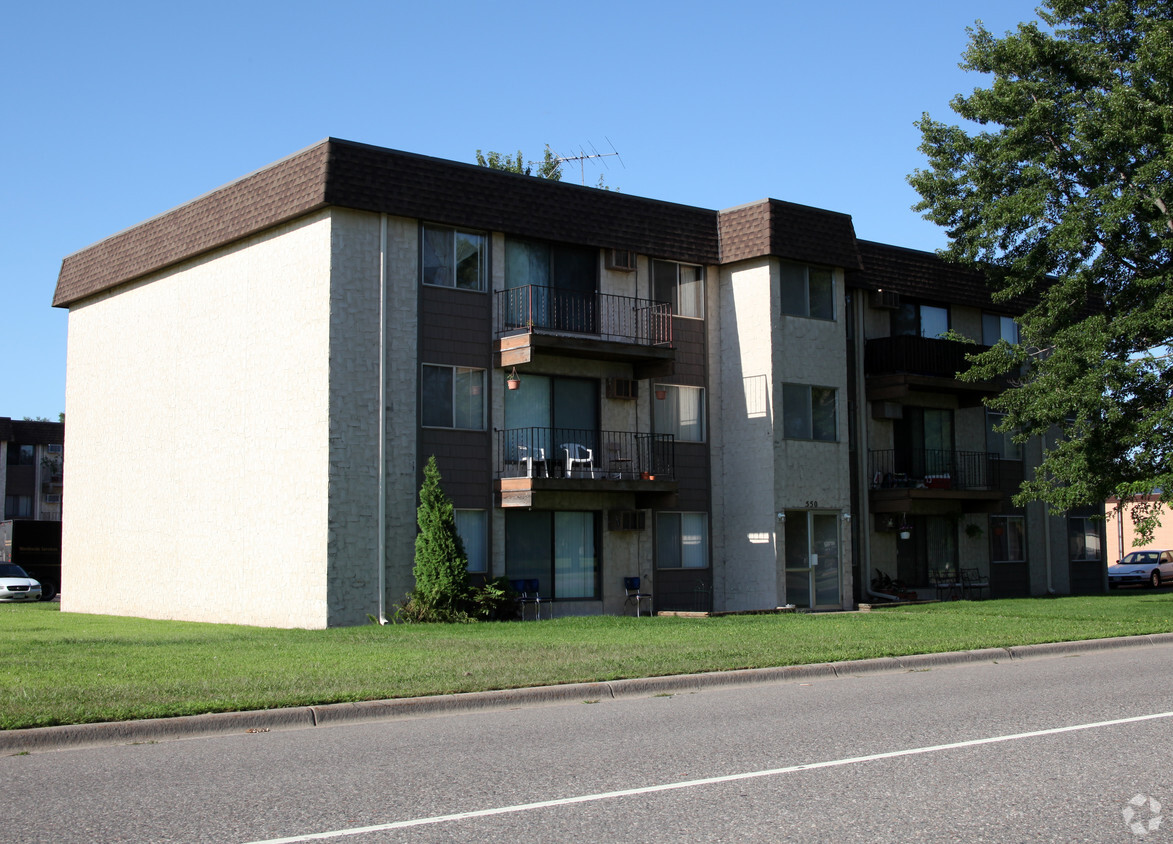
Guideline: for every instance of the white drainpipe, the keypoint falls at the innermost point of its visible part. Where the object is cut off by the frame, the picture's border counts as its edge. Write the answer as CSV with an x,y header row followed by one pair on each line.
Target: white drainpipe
x,y
381,543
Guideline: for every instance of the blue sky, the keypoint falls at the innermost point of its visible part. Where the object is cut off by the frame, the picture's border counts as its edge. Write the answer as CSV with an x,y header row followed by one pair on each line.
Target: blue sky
x,y
117,112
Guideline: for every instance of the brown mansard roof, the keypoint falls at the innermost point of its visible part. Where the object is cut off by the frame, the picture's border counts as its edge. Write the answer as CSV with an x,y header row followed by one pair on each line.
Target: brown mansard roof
x,y
367,178
29,432
797,232
926,276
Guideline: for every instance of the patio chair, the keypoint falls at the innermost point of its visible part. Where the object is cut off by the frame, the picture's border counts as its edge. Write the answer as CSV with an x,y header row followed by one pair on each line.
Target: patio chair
x,y
947,583
578,454
632,590
973,583
529,595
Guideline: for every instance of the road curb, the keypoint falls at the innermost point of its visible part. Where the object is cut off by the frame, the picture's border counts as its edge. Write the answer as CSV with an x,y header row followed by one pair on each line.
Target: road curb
x,y
77,736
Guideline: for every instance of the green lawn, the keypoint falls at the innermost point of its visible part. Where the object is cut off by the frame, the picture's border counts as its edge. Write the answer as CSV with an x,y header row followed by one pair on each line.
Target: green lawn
x,y
65,668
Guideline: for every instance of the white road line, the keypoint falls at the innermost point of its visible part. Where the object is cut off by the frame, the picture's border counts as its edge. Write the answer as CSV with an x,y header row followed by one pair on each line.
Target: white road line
x,y
672,786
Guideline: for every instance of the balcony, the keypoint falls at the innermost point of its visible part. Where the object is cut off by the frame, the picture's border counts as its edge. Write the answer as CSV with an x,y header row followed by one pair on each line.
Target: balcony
x,y
933,480
537,465
602,326
896,366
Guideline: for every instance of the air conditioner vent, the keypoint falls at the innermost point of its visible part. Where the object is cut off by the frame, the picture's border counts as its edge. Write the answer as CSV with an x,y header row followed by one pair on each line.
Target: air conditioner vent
x,y
622,388
621,259
626,519
885,299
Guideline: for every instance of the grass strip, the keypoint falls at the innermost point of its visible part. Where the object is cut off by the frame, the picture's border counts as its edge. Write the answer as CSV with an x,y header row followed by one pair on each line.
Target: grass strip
x,y
69,668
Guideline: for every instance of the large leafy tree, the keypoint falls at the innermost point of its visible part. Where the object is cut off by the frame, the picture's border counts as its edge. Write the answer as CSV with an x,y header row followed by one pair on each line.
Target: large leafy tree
x,y
1060,189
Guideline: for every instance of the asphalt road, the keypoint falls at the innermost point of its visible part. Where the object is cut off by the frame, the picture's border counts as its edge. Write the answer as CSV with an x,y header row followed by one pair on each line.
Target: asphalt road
x,y
1022,750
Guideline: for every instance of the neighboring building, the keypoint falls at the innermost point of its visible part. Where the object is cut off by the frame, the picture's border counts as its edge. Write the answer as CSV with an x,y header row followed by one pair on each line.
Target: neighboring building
x,y
728,404
31,463
1122,536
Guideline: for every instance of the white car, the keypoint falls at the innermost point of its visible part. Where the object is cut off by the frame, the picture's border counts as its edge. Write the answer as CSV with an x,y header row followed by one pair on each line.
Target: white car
x,y
15,585
1137,567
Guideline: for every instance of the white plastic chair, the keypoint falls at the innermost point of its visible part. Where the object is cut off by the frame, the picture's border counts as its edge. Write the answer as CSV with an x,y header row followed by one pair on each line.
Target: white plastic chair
x,y
578,455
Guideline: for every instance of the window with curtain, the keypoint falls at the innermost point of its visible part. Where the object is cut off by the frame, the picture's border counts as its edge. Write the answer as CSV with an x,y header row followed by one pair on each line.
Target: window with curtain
x,y
1007,539
809,413
998,442
682,540
807,291
452,397
996,327
556,548
473,528
453,258
683,285
1083,539
913,319
681,413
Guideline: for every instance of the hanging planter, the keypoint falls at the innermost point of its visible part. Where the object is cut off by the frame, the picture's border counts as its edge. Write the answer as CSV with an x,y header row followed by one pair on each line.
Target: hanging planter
x,y
513,380
661,393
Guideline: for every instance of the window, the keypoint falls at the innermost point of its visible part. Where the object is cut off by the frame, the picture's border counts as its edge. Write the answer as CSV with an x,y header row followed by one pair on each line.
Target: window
x,y
996,327
681,284
453,258
18,506
1083,539
1001,443
556,548
915,320
1008,539
21,455
473,528
682,540
453,397
808,413
681,413
808,291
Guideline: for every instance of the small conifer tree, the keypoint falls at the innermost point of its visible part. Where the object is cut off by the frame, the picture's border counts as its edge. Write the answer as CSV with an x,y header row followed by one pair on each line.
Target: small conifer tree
x,y
441,567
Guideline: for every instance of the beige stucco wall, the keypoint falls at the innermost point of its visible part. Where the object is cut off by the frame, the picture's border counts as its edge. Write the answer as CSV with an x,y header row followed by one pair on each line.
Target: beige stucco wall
x,y
199,432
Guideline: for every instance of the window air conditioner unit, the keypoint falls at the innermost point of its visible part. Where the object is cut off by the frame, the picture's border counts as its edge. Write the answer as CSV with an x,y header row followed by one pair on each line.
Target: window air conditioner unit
x,y
622,388
53,499
626,519
621,259
885,299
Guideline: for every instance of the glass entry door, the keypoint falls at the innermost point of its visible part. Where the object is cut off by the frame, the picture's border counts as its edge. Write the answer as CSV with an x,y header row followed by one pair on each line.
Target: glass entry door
x,y
812,559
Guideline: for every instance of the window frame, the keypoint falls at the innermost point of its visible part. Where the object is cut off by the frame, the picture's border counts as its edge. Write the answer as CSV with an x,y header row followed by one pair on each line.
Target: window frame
x,y
454,369
1008,518
659,420
455,231
1088,522
809,414
1004,439
674,299
704,544
483,529
806,287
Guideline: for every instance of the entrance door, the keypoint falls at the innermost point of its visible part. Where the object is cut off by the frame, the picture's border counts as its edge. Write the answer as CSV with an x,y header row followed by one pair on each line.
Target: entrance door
x,y
812,559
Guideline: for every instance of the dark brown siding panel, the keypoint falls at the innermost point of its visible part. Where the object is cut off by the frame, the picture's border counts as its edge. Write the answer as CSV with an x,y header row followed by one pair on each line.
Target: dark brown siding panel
x,y
692,475
688,336
455,327
797,232
464,459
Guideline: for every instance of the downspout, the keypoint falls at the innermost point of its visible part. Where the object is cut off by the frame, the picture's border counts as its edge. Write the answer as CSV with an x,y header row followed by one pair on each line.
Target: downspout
x,y
861,437
381,543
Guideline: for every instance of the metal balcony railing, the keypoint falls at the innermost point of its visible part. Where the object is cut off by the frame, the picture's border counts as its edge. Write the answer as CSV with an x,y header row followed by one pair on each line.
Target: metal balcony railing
x,y
918,355
897,468
605,315
583,453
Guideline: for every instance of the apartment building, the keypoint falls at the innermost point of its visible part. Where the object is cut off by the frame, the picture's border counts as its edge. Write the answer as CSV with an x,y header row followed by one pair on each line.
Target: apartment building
x,y
612,386
31,466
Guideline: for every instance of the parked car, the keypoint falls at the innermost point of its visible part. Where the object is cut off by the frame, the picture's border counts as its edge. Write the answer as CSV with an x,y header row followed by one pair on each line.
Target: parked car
x,y
15,585
1137,567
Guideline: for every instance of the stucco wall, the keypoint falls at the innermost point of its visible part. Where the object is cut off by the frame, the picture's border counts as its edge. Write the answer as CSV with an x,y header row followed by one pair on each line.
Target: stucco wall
x,y
743,474
198,433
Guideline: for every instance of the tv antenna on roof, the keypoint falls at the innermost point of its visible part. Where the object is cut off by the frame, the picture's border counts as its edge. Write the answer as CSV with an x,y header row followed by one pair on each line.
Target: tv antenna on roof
x,y
583,156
